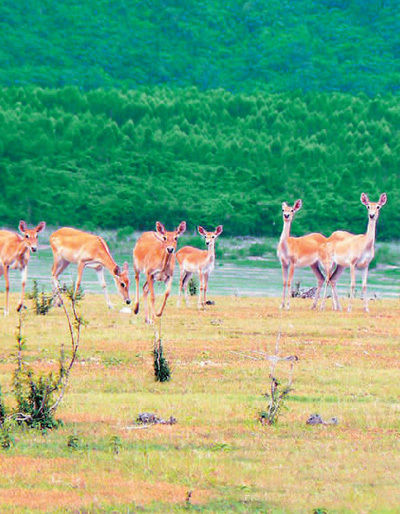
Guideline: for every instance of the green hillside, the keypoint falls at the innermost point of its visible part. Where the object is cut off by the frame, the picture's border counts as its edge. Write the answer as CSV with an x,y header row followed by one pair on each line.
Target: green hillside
x,y
126,159
239,45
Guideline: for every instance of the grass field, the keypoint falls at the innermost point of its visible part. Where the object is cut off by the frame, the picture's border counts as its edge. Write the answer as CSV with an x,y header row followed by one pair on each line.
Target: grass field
x,y
348,367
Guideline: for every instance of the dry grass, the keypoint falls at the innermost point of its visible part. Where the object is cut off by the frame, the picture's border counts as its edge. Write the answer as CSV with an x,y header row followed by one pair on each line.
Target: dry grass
x,y
348,368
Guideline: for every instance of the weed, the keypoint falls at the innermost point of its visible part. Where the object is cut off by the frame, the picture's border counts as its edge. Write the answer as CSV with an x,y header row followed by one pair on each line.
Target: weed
x,y
42,302
193,286
6,438
115,444
161,367
73,442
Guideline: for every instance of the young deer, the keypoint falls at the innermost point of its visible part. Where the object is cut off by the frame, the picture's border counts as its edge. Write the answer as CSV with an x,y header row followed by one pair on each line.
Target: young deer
x,y
298,252
154,256
192,260
87,250
355,251
15,251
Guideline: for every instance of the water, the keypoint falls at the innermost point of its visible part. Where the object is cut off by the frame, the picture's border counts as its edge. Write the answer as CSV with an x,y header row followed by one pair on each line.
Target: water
x,y
247,278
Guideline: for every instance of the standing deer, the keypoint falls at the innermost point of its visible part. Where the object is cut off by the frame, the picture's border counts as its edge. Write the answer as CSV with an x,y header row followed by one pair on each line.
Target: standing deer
x,y
299,252
87,250
154,256
192,260
15,251
355,251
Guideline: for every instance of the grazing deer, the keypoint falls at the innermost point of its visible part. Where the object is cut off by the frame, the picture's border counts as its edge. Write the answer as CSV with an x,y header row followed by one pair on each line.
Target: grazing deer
x,y
298,252
192,260
87,250
354,251
15,251
154,256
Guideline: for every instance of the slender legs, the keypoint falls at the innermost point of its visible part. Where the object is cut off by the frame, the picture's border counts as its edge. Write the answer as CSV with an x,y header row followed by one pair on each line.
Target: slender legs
x,y
168,285
364,288
100,276
136,308
321,280
352,286
24,274
285,269
183,286
7,280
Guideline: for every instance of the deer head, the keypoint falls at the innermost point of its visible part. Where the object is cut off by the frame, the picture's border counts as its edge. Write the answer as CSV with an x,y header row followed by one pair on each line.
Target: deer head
x,y
31,235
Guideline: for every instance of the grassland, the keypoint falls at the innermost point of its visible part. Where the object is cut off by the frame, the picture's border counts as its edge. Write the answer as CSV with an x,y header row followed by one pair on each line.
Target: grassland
x,y
348,367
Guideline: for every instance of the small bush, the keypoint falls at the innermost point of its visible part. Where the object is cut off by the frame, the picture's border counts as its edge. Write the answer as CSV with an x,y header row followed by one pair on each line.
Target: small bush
x,y
73,442
161,368
193,286
42,302
124,233
259,249
115,444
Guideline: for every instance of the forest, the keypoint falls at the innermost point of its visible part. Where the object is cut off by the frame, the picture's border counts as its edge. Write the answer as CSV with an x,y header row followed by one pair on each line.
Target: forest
x,y
125,158
116,114
240,45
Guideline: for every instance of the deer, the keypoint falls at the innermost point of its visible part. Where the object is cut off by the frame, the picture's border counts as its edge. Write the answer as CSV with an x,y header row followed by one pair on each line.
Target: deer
x,y
154,255
70,245
15,251
193,260
299,252
354,251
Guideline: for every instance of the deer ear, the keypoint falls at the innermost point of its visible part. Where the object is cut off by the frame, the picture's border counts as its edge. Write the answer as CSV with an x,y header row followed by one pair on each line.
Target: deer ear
x,y
182,227
201,230
298,205
117,271
382,199
364,199
23,227
218,230
160,228
40,227
125,266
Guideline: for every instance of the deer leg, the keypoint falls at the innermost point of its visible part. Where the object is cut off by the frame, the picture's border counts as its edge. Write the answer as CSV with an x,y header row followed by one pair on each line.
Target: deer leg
x,y
152,307
168,285
7,280
24,274
321,279
205,288
81,267
59,266
285,270
137,275
146,302
185,286
182,276
364,288
333,280
201,287
100,276
289,284
352,286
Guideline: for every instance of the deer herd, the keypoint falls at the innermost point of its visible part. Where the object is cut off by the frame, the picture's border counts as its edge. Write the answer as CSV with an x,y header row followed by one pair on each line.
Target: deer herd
x,y
155,253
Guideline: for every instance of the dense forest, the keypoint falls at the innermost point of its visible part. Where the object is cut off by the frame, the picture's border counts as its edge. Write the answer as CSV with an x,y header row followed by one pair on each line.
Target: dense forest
x,y
117,158
238,45
115,114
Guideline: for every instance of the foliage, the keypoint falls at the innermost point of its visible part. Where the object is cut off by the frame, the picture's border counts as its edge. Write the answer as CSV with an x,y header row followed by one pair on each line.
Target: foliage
x,y
35,393
193,286
73,442
42,302
127,158
115,444
238,45
162,372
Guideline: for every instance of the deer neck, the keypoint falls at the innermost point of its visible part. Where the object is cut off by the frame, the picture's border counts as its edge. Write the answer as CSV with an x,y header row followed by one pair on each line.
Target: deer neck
x,y
285,232
105,258
211,252
371,231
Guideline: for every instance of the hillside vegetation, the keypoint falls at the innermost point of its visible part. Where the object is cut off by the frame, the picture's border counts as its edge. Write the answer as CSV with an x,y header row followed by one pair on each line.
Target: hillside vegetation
x,y
127,158
240,45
